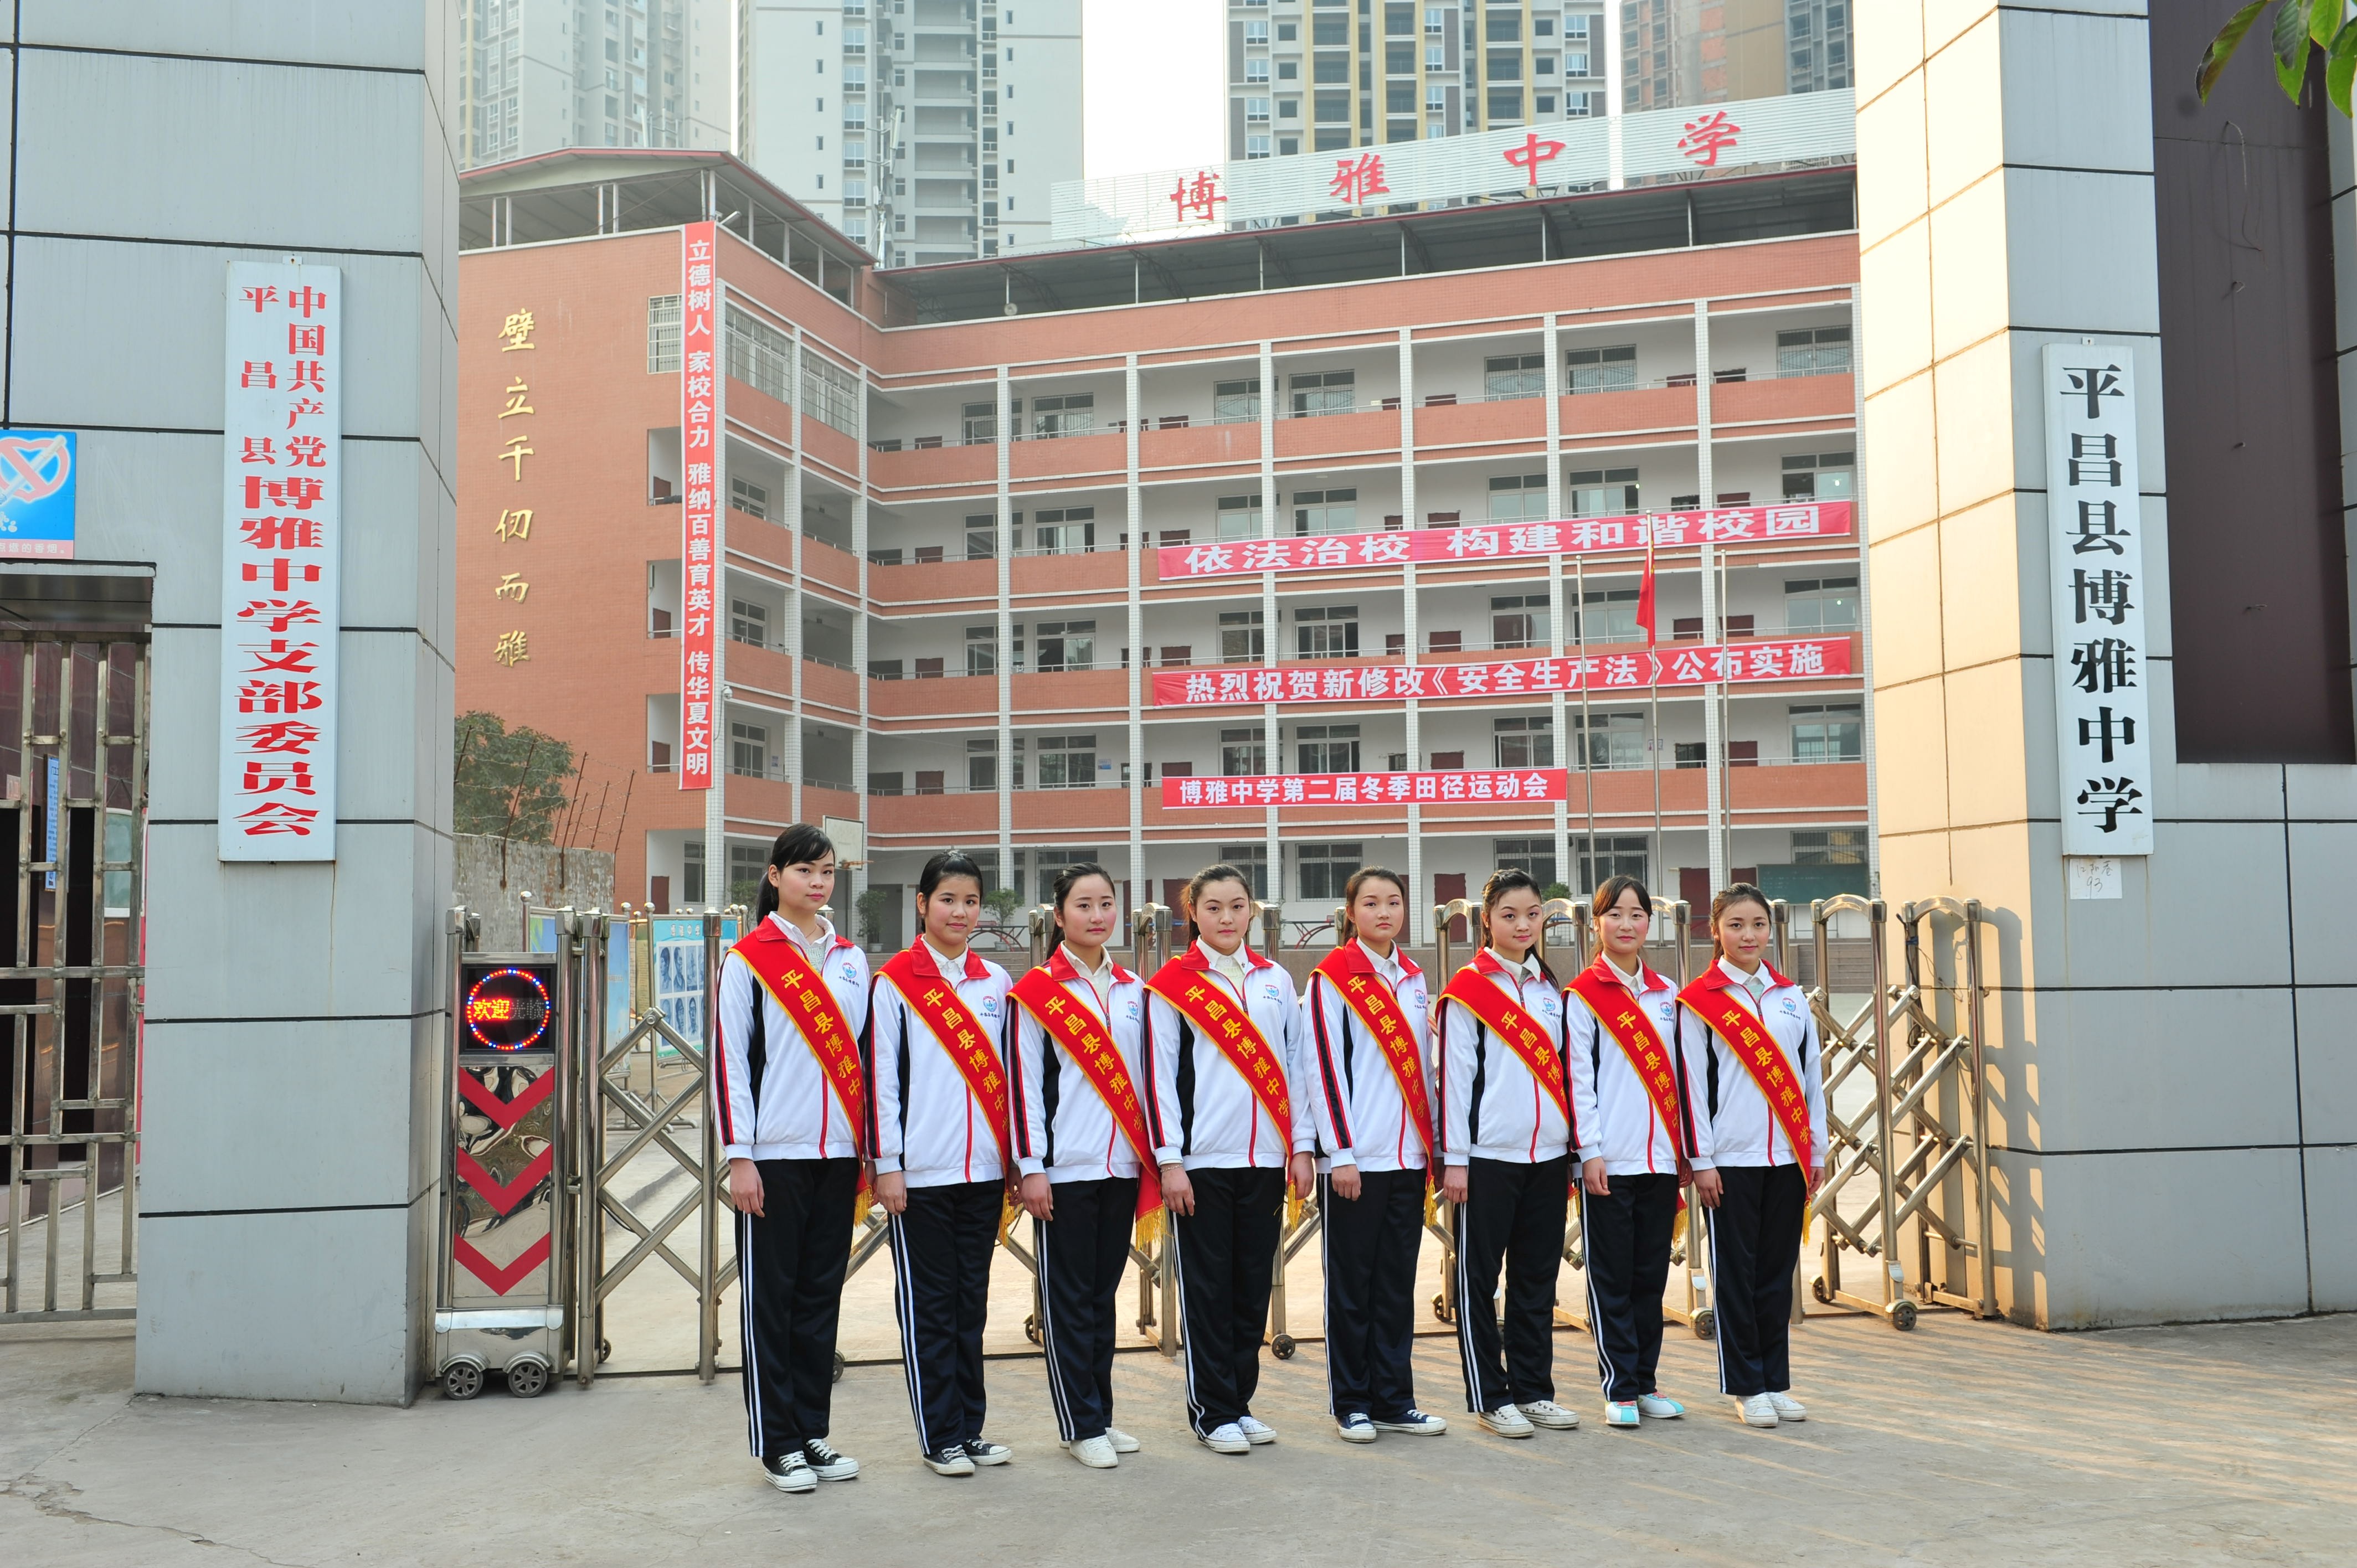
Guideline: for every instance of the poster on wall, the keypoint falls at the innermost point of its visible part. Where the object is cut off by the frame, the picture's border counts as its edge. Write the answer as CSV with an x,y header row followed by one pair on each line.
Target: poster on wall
x,y
2095,530
282,468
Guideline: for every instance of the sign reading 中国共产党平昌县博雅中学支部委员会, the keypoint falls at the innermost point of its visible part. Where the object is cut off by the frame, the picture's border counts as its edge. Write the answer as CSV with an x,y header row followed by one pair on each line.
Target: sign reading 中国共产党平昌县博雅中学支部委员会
x,y
37,494
282,466
2095,530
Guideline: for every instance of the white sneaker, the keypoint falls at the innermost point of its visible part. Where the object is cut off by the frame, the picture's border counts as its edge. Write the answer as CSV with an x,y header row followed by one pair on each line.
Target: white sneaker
x,y
1095,1452
1355,1428
1549,1415
1417,1423
828,1464
1255,1432
950,1461
1507,1422
1659,1409
1227,1438
1788,1408
1123,1443
1756,1409
791,1473
1622,1414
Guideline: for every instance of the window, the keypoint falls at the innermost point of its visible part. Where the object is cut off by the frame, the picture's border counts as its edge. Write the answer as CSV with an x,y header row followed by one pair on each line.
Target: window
x,y
1240,637
1506,103
1603,370
749,866
1518,620
1504,27
1535,857
1067,761
1252,859
1524,743
758,354
1518,498
1607,615
1235,402
1507,376
982,767
1821,477
1329,30
1288,32
1601,859
1244,753
1068,645
749,497
663,334
1257,71
1256,146
1610,740
1821,603
1257,34
1435,20
1065,530
1327,392
1327,631
1239,517
1322,870
981,537
1813,351
829,394
1601,492
1829,846
748,750
982,649
1325,511
1330,69
1073,413
1828,732
748,622
1399,59
981,420
1327,748
1575,64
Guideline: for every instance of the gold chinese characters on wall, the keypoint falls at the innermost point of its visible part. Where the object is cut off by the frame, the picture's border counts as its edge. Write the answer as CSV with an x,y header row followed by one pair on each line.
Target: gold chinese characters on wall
x,y
512,647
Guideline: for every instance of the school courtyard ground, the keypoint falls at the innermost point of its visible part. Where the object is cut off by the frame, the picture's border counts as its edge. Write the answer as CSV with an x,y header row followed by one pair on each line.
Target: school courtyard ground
x,y
1958,1444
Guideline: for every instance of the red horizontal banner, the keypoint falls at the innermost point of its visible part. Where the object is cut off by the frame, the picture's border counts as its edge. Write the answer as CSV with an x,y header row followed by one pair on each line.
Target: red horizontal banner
x,y
1506,541
1783,659
1369,789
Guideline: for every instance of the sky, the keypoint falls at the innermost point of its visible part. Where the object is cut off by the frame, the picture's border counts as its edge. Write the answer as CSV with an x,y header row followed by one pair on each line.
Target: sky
x,y
1154,83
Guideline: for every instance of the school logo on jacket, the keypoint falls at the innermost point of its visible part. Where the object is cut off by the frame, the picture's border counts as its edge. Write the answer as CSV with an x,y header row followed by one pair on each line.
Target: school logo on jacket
x,y
1272,992
1665,1009
849,972
1791,1008
1547,1007
987,1007
1132,1013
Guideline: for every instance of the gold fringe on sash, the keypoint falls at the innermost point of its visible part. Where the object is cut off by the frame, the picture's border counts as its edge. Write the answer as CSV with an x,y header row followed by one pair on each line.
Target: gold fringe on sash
x,y
1009,1209
1149,1229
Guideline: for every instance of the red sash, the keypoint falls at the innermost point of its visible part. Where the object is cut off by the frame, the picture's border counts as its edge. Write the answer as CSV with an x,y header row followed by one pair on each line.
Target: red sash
x,y
1472,989
1347,971
777,961
1712,1000
1205,1002
933,998
1618,1014
1081,1035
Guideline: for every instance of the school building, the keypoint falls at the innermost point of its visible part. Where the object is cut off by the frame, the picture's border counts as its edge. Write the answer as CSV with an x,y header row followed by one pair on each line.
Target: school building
x,y
1299,547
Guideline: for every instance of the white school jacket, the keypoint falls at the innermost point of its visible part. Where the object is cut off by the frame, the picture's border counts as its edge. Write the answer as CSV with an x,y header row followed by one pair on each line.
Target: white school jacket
x,y
1362,1119
1617,1121
1732,1124
773,1098
1062,1125
926,1121
1492,1104
1211,1113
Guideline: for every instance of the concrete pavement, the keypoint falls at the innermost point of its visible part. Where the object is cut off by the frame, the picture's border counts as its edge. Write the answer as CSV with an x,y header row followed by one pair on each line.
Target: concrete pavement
x,y
1960,1444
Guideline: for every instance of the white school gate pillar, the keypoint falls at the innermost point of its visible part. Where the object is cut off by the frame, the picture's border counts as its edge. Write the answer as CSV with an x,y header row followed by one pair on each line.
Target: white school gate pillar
x,y
2174,1099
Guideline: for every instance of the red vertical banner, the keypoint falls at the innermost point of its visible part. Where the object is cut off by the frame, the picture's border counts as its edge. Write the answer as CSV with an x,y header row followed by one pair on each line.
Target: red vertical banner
x,y
699,406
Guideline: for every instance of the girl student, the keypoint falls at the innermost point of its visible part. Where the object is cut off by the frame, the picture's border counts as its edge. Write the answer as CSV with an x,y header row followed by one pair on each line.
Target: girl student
x,y
944,1156
792,1099
1367,1013
1087,1138
1621,1028
1754,1074
1506,1136
1234,1088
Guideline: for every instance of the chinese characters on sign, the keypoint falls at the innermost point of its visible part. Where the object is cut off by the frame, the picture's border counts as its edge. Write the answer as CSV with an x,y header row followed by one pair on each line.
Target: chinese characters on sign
x,y
281,562
1198,198
513,647
699,424
1539,784
2097,549
1707,137
1636,668
1503,541
1532,152
36,494
1356,180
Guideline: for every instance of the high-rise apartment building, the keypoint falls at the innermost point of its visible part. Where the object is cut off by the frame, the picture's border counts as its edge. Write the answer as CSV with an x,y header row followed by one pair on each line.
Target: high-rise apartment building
x,y
927,130
1676,52
537,75
1320,75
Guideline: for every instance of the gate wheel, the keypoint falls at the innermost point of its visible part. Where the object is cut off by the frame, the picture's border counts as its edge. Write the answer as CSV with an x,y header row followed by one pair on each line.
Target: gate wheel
x,y
527,1377
1031,1328
1818,1288
1705,1324
1284,1346
605,1349
1441,1307
1902,1314
839,1364
462,1379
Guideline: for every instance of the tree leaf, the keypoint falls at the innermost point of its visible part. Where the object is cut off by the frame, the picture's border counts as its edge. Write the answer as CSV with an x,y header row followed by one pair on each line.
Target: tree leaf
x,y
2324,21
2221,48
2291,45
2340,66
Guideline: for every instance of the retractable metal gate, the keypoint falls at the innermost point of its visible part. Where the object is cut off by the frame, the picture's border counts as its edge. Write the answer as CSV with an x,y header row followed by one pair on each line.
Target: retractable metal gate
x,y
1938,1085
1858,1142
70,969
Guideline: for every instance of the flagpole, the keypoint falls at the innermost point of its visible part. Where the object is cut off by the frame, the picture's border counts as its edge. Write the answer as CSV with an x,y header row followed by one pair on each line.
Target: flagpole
x,y
1653,719
1586,755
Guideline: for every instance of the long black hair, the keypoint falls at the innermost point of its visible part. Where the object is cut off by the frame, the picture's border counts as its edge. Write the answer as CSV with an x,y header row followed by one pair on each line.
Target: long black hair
x,y
801,845
1066,880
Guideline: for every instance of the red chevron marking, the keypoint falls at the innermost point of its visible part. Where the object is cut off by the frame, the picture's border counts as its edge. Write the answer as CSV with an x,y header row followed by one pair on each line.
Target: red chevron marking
x,y
505,1195
500,1280
506,1113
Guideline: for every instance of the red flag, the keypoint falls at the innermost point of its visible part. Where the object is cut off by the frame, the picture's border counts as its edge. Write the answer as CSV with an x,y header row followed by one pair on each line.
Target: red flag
x,y
1646,615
